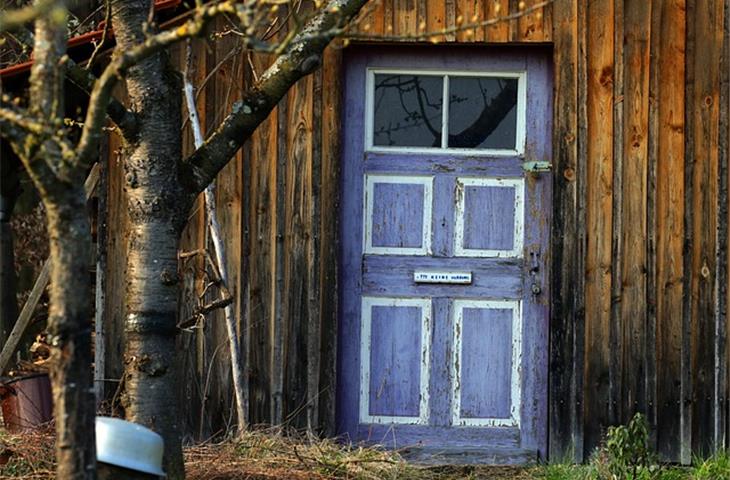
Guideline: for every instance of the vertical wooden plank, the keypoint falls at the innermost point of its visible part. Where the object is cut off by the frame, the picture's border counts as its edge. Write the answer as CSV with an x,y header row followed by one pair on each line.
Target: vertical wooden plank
x,y
247,216
547,22
388,19
637,26
228,206
297,219
667,88
421,18
116,248
279,332
374,22
102,224
191,342
566,330
499,31
209,352
314,258
615,339
530,25
687,323
652,221
721,388
706,25
469,12
435,19
720,439
218,382
405,17
450,7
262,167
377,24
599,204
513,24
330,141
581,234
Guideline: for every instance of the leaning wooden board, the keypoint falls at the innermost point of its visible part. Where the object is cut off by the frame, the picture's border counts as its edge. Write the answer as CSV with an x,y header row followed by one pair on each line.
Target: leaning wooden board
x,y
38,289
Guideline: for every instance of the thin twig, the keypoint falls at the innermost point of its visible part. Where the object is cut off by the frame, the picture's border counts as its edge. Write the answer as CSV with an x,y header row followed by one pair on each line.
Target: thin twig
x,y
104,34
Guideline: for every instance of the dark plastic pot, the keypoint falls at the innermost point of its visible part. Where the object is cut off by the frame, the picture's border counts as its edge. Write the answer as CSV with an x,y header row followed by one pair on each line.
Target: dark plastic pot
x,y
26,401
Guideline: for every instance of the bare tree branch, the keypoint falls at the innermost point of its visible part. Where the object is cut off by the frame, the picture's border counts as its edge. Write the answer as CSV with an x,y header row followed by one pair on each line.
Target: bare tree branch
x,y
301,57
102,91
13,19
84,79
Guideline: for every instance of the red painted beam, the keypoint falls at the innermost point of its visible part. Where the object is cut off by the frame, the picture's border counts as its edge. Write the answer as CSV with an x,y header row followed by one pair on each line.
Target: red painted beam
x,y
83,39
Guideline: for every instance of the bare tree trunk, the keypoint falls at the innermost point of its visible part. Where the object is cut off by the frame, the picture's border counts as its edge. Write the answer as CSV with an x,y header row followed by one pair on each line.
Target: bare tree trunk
x,y
69,323
69,326
157,208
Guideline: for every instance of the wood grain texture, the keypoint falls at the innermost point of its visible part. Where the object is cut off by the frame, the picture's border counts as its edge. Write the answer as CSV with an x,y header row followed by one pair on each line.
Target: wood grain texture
x,y
637,16
261,258
530,26
499,31
599,216
639,229
615,334
408,20
330,180
667,88
114,275
297,217
566,336
723,274
706,26
228,86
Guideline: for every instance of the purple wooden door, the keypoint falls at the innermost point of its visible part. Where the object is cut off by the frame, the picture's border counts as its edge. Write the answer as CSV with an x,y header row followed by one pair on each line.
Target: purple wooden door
x,y
444,301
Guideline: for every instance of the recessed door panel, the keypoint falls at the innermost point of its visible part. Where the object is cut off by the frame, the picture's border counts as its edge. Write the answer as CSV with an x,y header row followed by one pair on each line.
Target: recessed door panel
x,y
395,350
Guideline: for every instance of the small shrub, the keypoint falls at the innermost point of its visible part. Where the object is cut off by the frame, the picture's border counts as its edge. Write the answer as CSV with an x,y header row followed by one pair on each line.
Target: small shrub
x,y
628,453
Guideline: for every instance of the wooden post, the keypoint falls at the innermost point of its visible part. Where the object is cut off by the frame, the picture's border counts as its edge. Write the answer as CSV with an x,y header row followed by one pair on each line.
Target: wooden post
x,y
101,235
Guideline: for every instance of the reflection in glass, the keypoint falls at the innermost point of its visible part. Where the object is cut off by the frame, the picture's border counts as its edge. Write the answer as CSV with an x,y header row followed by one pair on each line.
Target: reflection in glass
x,y
407,110
482,112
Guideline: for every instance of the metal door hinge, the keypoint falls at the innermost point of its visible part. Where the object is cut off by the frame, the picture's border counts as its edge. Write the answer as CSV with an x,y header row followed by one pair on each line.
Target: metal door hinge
x,y
536,166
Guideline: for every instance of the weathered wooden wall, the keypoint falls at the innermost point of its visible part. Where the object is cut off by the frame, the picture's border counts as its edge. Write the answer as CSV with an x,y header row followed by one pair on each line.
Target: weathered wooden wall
x,y
640,235
639,220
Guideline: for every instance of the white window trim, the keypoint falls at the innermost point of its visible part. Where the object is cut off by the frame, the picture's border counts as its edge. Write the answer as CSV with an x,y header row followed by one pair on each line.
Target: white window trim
x,y
365,343
370,181
516,371
519,217
520,130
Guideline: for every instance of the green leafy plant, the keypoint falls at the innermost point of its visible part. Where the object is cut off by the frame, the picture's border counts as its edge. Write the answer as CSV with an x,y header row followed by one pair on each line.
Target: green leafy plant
x,y
627,447
716,467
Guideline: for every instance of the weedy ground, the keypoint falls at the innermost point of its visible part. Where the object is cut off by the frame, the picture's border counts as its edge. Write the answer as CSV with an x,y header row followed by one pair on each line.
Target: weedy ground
x,y
270,454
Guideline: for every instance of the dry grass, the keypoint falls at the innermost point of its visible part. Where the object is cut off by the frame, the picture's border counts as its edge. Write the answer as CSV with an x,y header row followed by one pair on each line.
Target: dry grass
x,y
272,455
258,455
28,455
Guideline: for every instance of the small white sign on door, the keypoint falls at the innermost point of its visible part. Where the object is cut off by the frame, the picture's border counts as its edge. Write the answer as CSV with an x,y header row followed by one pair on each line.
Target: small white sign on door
x,y
462,278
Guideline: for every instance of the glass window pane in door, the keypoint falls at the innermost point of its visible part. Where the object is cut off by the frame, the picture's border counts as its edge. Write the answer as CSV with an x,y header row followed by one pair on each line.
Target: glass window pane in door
x,y
407,110
482,112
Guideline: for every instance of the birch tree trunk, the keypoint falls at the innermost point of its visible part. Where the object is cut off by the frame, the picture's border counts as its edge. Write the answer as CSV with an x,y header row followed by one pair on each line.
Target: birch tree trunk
x,y
157,208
